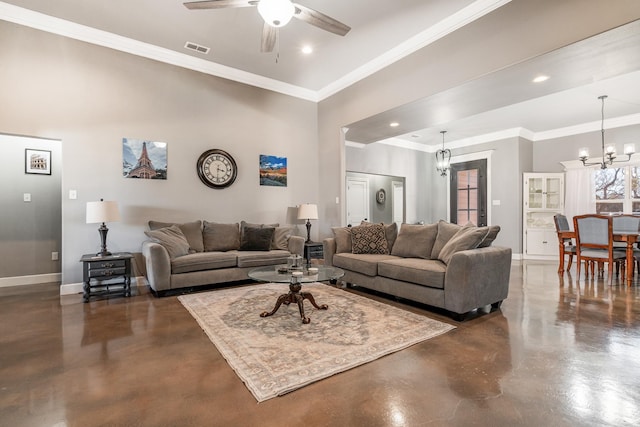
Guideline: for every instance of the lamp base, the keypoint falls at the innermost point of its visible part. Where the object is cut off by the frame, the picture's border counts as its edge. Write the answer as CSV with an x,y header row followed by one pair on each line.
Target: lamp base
x,y
308,231
103,230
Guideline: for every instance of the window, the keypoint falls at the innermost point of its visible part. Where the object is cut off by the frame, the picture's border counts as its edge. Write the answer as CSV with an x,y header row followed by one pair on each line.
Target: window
x,y
617,190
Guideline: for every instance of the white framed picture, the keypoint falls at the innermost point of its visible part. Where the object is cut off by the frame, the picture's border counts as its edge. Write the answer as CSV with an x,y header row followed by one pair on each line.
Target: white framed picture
x,y
37,161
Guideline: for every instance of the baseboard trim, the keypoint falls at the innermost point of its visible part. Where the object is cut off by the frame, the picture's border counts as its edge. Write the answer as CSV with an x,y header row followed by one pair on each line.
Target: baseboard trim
x,y
35,279
76,288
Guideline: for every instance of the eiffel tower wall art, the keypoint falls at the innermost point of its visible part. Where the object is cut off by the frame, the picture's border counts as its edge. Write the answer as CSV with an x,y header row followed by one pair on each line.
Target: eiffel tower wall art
x,y
144,159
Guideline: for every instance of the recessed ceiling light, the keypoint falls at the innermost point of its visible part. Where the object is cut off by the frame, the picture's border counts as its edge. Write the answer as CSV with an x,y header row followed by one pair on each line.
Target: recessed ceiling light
x,y
307,49
541,78
394,124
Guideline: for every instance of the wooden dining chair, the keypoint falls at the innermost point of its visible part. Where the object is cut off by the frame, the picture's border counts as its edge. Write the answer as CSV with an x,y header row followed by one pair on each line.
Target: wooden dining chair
x,y
565,241
594,241
627,223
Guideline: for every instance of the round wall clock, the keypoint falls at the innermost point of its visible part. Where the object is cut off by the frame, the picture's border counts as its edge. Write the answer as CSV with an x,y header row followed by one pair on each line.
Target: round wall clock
x,y
381,196
216,168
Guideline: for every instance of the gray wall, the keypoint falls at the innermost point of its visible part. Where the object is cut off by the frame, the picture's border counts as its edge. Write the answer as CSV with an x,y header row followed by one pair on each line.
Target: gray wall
x,y
380,212
29,231
91,97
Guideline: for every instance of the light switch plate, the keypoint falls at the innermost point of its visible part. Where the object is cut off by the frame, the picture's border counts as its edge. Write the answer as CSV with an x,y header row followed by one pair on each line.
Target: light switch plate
x,y
27,197
73,194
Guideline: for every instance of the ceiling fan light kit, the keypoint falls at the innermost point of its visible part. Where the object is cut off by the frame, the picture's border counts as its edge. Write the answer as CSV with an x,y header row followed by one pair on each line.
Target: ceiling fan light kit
x,y
276,13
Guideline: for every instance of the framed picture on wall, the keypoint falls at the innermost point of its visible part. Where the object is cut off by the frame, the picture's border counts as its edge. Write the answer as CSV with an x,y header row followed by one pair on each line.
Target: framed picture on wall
x,y
37,161
273,171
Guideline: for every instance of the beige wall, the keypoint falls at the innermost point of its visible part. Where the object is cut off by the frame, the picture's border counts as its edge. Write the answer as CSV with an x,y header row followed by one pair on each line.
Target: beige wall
x,y
91,97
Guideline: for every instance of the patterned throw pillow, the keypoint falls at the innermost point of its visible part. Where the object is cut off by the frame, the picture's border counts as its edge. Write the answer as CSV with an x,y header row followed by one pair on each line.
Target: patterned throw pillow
x,y
369,239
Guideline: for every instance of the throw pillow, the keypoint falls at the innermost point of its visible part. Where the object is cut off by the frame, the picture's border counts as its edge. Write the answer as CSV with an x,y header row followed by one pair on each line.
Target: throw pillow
x,y
281,237
415,241
390,232
369,239
221,237
191,230
256,239
466,238
172,239
446,230
491,236
342,236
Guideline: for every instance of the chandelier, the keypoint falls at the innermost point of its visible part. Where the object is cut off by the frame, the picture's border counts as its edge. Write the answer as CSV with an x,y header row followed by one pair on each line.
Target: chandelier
x,y
443,158
276,13
608,152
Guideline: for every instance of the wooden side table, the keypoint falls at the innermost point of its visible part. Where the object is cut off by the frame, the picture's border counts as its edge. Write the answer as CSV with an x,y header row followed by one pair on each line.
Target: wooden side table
x,y
111,275
313,250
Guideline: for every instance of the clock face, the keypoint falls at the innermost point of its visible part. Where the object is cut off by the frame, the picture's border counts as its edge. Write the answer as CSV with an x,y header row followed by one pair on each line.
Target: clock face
x,y
216,168
381,196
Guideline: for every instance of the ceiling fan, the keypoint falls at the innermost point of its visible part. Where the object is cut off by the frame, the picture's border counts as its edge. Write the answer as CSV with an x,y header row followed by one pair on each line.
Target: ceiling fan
x,y
276,14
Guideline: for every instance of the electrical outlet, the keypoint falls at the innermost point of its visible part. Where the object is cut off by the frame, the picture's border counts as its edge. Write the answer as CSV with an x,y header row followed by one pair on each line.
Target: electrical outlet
x,y
54,256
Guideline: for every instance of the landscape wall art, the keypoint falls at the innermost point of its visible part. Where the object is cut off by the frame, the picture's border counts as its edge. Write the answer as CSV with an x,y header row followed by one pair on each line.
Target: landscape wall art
x,y
273,171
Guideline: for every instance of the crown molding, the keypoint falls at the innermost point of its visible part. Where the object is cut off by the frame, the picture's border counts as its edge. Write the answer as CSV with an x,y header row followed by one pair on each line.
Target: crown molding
x,y
40,21
616,122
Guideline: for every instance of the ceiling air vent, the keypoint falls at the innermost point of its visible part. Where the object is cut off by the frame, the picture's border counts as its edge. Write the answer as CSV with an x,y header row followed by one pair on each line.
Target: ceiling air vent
x,y
197,48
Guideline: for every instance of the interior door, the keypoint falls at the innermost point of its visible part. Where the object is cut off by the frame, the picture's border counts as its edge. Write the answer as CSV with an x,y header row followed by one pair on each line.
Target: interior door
x,y
398,202
357,200
468,201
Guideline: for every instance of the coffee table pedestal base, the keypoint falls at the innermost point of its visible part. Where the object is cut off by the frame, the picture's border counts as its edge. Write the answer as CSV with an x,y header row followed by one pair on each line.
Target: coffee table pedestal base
x,y
295,296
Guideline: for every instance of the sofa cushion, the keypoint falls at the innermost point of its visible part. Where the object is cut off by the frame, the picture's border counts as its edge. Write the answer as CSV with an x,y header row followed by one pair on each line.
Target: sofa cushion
x,y
469,237
446,230
221,237
390,232
424,272
491,236
415,241
342,236
260,258
256,239
191,230
172,239
369,239
281,238
366,264
203,261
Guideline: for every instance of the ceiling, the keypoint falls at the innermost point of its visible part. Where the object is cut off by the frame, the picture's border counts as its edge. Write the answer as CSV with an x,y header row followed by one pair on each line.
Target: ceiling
x,y
380,35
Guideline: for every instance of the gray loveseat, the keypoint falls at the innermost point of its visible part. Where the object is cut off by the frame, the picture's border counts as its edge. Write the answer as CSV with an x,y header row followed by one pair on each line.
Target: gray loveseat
x,y
203,253
442,265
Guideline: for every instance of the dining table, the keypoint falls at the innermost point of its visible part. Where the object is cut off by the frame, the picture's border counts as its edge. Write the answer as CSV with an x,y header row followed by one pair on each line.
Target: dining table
x,y
629,237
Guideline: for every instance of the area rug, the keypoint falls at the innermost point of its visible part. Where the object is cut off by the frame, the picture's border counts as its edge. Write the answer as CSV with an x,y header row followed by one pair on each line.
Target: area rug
x,y
278,354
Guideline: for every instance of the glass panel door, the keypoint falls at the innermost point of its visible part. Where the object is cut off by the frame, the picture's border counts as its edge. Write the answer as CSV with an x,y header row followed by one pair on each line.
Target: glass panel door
x,y
469,203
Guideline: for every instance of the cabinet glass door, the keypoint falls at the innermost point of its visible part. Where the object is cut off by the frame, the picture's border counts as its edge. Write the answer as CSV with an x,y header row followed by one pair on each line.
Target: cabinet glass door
x,y
552,196
535,193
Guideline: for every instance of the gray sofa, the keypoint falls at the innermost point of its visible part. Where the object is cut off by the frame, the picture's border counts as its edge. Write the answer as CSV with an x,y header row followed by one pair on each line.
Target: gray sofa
x,y
203,253
442,265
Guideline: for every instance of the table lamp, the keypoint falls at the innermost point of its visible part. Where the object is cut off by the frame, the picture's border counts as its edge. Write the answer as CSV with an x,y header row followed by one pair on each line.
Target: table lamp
x,y
102,212
308,211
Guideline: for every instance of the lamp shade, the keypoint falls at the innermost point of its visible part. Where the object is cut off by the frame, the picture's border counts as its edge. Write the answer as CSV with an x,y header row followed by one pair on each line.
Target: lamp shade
x,y
307,211
102,212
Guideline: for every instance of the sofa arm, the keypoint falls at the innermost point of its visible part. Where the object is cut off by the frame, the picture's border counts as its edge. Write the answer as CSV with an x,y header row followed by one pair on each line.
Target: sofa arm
x,y
296,245
328,250
476,278
158,265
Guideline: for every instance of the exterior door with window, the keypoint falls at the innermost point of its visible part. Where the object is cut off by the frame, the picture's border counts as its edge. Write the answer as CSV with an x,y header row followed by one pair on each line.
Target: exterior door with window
x,y
468,200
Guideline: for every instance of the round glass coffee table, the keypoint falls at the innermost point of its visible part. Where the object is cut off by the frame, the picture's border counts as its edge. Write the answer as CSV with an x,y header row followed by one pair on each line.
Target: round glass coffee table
x,y
295,279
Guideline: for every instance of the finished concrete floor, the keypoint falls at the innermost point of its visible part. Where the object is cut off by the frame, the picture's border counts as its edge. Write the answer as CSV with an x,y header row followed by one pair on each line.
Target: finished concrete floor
x,y
560,352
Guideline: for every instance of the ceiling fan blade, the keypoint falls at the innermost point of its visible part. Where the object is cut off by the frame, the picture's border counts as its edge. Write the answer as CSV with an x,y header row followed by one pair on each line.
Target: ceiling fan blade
x,y
269,38
320,20
219,4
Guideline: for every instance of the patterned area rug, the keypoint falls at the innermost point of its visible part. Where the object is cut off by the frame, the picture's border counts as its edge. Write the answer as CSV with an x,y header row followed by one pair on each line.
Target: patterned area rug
x,y
263,351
